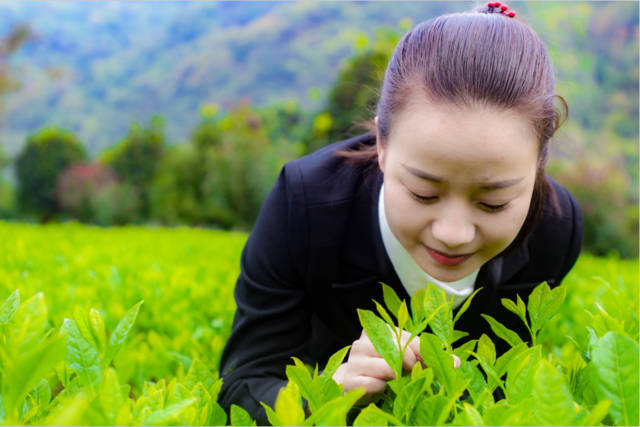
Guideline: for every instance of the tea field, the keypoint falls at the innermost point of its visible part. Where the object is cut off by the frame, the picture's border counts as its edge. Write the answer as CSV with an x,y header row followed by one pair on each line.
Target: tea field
x,y
125,326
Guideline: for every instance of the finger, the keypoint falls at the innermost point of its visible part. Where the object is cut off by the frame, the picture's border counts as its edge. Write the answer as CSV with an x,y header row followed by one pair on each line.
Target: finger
x,y
363,347
414,346
456,361
409,359
370,384
375,367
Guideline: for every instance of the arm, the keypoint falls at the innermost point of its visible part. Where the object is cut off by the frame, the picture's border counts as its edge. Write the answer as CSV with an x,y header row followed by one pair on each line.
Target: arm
x,y
271,323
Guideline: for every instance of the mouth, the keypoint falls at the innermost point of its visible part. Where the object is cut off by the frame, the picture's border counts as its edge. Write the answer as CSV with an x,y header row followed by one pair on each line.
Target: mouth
x,y
447,259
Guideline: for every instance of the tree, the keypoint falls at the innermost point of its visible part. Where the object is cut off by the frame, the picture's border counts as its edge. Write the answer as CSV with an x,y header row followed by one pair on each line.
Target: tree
x,y
45,155
135,159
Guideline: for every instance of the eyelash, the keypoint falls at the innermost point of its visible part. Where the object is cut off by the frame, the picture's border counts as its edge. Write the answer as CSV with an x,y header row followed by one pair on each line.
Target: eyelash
x,y
423,199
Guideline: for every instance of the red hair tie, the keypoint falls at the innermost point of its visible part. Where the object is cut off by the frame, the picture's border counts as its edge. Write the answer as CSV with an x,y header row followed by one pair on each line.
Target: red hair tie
x,y
503,8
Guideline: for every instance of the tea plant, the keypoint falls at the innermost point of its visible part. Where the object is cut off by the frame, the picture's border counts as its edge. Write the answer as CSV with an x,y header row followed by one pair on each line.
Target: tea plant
x,y
600,386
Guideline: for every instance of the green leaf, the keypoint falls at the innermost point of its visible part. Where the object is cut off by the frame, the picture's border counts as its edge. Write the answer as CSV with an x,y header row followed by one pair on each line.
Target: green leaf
x,y
430,411
82,357
309,388
595,416
9,307
407,398
384,314
98,330
465,305
519,383
168,415
380,335
391,299
486,350
288,405
614,375
417,307
477,383
517,309
334,412
273,418
240,417
335,361
503,362
403,315
81,317
554,404
374,416
501,331
472,415
437,307
463,351
440,361
111,397
121,332
200,373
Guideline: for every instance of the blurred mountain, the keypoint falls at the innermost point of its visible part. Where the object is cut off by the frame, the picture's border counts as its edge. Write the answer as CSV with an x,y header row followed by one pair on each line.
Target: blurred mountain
x,y
93,67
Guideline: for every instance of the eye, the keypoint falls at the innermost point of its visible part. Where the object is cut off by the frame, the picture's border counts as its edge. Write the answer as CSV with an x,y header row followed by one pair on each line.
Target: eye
x,y
493,208
422,199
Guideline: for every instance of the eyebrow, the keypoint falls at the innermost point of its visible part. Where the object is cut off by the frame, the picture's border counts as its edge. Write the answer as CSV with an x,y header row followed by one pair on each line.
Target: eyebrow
x,y
485,186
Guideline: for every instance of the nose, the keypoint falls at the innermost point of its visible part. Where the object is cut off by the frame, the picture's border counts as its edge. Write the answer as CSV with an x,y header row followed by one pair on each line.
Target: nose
x,y
453,231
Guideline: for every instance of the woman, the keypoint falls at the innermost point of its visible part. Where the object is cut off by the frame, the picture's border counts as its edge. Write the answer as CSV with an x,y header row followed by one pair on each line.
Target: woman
x,y
450,189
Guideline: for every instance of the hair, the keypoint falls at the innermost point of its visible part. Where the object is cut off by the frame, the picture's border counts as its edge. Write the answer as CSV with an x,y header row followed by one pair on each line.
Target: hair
x,y
469,59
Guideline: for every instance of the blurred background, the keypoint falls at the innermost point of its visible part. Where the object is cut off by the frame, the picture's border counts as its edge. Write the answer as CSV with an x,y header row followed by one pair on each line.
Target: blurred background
x,y
183,113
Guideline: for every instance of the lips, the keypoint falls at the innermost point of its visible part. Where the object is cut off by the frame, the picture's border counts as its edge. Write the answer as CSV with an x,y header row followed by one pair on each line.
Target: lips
x,y
445,259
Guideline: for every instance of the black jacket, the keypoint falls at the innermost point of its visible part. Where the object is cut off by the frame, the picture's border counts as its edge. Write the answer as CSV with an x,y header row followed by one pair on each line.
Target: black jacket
x,y
316,254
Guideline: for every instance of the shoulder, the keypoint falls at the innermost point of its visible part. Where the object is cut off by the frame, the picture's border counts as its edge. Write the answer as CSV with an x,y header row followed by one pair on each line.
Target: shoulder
x,y
555,244
324,176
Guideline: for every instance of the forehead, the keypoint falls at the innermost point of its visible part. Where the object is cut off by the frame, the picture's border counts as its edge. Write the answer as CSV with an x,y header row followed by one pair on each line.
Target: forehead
x,y
475,137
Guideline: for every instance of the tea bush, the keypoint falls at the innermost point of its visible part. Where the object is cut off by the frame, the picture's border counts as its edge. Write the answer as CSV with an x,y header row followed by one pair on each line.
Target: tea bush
x,y
125,326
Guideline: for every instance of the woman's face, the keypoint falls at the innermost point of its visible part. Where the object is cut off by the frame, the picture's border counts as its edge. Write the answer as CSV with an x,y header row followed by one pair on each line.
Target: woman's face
x,y
457,183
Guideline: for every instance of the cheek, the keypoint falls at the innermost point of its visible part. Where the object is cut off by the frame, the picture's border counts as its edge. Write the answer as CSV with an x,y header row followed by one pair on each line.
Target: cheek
x,y
406,220
504,228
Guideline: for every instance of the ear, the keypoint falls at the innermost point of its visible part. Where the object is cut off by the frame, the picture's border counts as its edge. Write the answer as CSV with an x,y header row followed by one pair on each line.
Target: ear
x,y
381,147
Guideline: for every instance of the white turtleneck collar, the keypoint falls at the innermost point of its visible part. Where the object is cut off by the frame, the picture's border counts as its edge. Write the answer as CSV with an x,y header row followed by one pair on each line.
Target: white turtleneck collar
x,y
413,278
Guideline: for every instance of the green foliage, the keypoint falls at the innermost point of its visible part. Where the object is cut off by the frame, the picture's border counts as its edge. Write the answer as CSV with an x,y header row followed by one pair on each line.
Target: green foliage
x,y
92,355
46,154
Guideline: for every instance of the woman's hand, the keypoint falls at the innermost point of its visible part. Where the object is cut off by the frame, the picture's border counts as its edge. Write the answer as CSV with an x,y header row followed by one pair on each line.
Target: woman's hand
x,y
366,368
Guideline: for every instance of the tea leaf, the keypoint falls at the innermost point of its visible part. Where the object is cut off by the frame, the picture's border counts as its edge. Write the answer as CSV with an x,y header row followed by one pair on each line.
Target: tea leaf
x,y
553,402
465,305
501,331
273,418
288,405
473,416
595,415
517,309
121,332
168,415
519,383
440,361
429,411
309,389
82,357
614,369
391,299
334,412
407,398
110,397
384,314
380,336
240,417
9,307
374,416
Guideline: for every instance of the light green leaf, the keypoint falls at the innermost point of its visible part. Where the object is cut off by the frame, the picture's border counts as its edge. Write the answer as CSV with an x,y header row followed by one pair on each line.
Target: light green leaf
x,y
380,336
384,314
477,383
439,309
309,388
373,416
463,351
199,373
465,305
473,416
429,411
391,299
407,398
82,357
111,397
417,307
595,416
440,361
81,317
519,383
503,362
9,307
486,350
614,375
501,331
334,412
168,415
98,330
519,309
554,404
403,315
273,418
288,405
335,361
121,332
240,417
